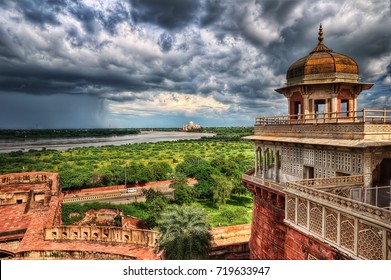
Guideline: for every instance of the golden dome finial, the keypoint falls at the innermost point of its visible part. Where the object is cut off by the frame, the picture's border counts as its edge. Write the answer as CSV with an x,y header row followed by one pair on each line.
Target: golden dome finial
x,y
320,47
320,37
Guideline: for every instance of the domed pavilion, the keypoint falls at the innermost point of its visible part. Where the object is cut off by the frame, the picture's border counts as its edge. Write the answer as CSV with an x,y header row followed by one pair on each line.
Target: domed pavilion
x,y
322,173
322,83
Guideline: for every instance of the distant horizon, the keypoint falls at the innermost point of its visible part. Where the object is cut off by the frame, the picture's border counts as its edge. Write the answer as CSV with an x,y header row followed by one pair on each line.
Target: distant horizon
x,y
140,128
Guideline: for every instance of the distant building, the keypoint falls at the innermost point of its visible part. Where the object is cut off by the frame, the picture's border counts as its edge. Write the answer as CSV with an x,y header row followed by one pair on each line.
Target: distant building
x,y
321,178
191,126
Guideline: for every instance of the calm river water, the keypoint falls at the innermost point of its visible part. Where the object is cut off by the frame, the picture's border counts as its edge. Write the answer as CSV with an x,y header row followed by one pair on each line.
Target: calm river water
x,y
68,143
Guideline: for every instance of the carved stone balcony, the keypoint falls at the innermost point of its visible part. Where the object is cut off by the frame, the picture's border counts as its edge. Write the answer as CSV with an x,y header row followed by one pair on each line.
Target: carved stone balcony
x,y
359,126
336,211
322,208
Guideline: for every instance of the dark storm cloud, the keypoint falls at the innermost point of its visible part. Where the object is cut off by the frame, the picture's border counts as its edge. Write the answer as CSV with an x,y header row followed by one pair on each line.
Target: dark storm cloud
x,y
94,20
7,51
87,16
114,16
40,12
166,42
131,52
212,11
279,10
169,14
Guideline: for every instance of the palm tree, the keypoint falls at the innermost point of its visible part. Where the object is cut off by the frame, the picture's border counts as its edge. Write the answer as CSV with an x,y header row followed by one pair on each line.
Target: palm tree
x,y
184,233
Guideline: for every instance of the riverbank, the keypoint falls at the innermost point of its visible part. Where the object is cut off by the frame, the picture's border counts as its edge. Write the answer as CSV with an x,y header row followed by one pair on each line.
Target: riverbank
x,y
62,144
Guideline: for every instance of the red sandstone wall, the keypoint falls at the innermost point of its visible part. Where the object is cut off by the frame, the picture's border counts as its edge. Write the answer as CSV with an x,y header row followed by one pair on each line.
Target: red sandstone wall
x,y
272,239
299,246
267,231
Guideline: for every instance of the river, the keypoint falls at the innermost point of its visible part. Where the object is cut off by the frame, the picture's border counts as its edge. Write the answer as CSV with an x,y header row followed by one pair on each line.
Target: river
x,y
61,144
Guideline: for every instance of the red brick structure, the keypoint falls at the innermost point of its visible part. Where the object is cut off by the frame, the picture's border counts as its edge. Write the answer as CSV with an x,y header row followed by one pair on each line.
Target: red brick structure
x,y
321,179
30,226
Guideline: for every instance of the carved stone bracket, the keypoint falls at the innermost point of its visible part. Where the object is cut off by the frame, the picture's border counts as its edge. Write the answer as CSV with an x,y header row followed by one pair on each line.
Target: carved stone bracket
x,y
355,90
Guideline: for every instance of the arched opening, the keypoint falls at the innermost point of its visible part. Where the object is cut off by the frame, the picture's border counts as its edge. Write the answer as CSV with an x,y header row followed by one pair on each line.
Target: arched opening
x,y
6,254
269,163
296,106
259,162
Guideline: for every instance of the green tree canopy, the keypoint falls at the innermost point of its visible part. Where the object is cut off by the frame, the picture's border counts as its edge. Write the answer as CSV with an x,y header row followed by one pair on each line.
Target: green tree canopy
x,y
221,189
184,233
178,180
196,167
160,170
184,195
75,177
156,203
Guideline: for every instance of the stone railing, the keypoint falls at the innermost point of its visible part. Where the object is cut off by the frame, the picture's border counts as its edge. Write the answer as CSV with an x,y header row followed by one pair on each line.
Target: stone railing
x,y
333,181
138,237
362,231
362,116
263,182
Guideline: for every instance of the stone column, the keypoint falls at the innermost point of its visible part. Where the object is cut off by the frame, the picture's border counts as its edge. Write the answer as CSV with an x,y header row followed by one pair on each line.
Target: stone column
x,y
289,106
354,105
327,110
306,105
334,104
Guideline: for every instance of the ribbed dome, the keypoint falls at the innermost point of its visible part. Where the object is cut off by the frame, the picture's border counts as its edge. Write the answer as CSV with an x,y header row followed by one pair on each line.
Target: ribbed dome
x,y
322,64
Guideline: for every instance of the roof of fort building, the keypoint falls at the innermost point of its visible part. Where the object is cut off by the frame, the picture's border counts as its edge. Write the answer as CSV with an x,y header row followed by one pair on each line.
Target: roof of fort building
x,y
13,221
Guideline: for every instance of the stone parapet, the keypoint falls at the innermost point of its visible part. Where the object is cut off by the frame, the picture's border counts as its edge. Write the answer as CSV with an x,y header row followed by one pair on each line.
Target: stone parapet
x,y
70,255
346,131
145,238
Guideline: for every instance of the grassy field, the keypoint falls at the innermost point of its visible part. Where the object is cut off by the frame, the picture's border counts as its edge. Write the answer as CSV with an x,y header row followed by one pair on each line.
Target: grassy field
x,y
236,211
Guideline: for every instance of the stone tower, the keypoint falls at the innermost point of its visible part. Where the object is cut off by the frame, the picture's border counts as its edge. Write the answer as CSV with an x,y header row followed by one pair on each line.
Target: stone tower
x,y
321,178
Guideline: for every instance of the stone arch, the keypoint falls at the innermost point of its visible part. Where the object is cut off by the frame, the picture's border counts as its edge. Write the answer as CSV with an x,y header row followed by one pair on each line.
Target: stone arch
x,y
258,161
269,163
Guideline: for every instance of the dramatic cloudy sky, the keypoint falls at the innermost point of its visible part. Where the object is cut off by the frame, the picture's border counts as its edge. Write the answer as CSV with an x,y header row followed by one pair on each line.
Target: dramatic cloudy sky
x,y
161,63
